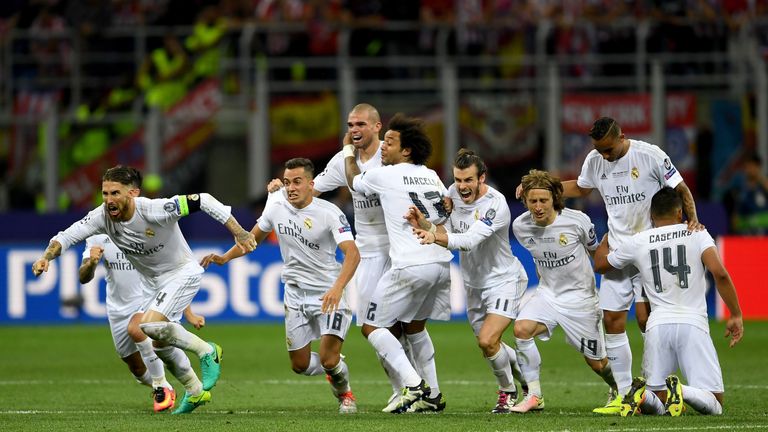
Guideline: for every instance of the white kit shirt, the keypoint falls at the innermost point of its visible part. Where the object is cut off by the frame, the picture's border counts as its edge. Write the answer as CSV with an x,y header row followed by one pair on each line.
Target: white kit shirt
x,y
627,186
669,260
371,231
399,187
308,239
480,230
561,254
124,287
151,240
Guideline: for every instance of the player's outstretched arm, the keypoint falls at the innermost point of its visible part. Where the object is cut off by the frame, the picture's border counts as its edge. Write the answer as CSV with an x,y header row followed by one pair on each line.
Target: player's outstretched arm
x,y
350,164
332,297
735,325
235,251
88,267
51,253
602,265
243,239
417,220
689,207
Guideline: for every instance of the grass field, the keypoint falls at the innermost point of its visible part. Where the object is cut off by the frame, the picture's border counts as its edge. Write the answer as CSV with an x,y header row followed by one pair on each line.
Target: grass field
x,y
69,378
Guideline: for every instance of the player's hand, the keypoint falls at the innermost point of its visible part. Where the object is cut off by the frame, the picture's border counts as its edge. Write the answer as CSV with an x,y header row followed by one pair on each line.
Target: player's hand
x,y
197,321
694,225
735,329
246,241
347,139
40,266
425,237
96,253
274,185
212,258
519,191
331,299
448,205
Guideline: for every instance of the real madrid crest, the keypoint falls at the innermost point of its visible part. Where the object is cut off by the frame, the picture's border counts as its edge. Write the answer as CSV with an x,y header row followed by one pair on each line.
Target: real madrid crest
x,y
477,214
563,240
149,232
308,223
635,173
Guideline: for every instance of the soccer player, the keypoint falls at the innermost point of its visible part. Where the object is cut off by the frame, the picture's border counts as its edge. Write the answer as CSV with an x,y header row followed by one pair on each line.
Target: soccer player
x,y
309,230
418,283
493,278
147,231
673,263
363,127
125,297
560,241
627,173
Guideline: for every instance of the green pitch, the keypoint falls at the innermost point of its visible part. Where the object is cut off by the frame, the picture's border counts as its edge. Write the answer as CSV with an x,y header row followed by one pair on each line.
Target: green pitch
x,y
69,378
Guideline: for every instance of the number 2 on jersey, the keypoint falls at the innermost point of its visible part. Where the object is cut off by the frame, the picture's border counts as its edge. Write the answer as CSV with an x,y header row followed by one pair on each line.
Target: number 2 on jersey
x,y
682,269
435,198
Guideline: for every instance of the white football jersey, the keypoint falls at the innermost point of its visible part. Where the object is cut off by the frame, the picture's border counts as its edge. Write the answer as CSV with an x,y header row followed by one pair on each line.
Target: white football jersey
x,y
399,187
371,231
308,238
124,287
483,225
627,186
151,240
674,277
561,254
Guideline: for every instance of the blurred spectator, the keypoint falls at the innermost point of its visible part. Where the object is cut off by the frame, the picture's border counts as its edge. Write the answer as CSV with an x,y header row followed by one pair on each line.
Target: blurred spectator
x,y
50,46
434,13
161,75
204,44
747,198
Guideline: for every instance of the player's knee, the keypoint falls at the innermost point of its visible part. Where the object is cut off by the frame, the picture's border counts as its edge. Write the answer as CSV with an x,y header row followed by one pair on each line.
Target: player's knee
x,y
156,330
488,344
522,331
299,366
615,322
136,333
330,360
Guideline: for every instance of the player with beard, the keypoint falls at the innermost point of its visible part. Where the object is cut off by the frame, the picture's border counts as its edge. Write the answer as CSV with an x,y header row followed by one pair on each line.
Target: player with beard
x,y
147,231
493,278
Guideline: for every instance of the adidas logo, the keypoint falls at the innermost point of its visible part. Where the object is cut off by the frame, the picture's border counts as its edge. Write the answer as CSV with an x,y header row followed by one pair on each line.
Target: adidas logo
x,y
530,241
603,177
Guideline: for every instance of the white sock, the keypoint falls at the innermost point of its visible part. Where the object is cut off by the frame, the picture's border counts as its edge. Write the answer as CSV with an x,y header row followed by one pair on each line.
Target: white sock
x,y
154,364
403,339
339,377
424,356
516,372
652,404
178,365
502,370
393,355
530,364
620,358
392,376
175,334
701,400
145,379
315,366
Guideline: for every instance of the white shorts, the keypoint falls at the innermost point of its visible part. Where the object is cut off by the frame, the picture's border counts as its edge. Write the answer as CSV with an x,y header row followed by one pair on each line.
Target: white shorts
x,y
583,328
503,300
307,323
175,291
367,276
412,293
672,346
618,287
118,326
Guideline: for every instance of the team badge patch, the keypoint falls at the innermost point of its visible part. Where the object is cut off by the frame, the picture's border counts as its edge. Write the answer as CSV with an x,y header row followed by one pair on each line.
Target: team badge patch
x,y
563,240
170,207
490,214
149,232
345,227
667,164
477,214
308,223
193,197
635,173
